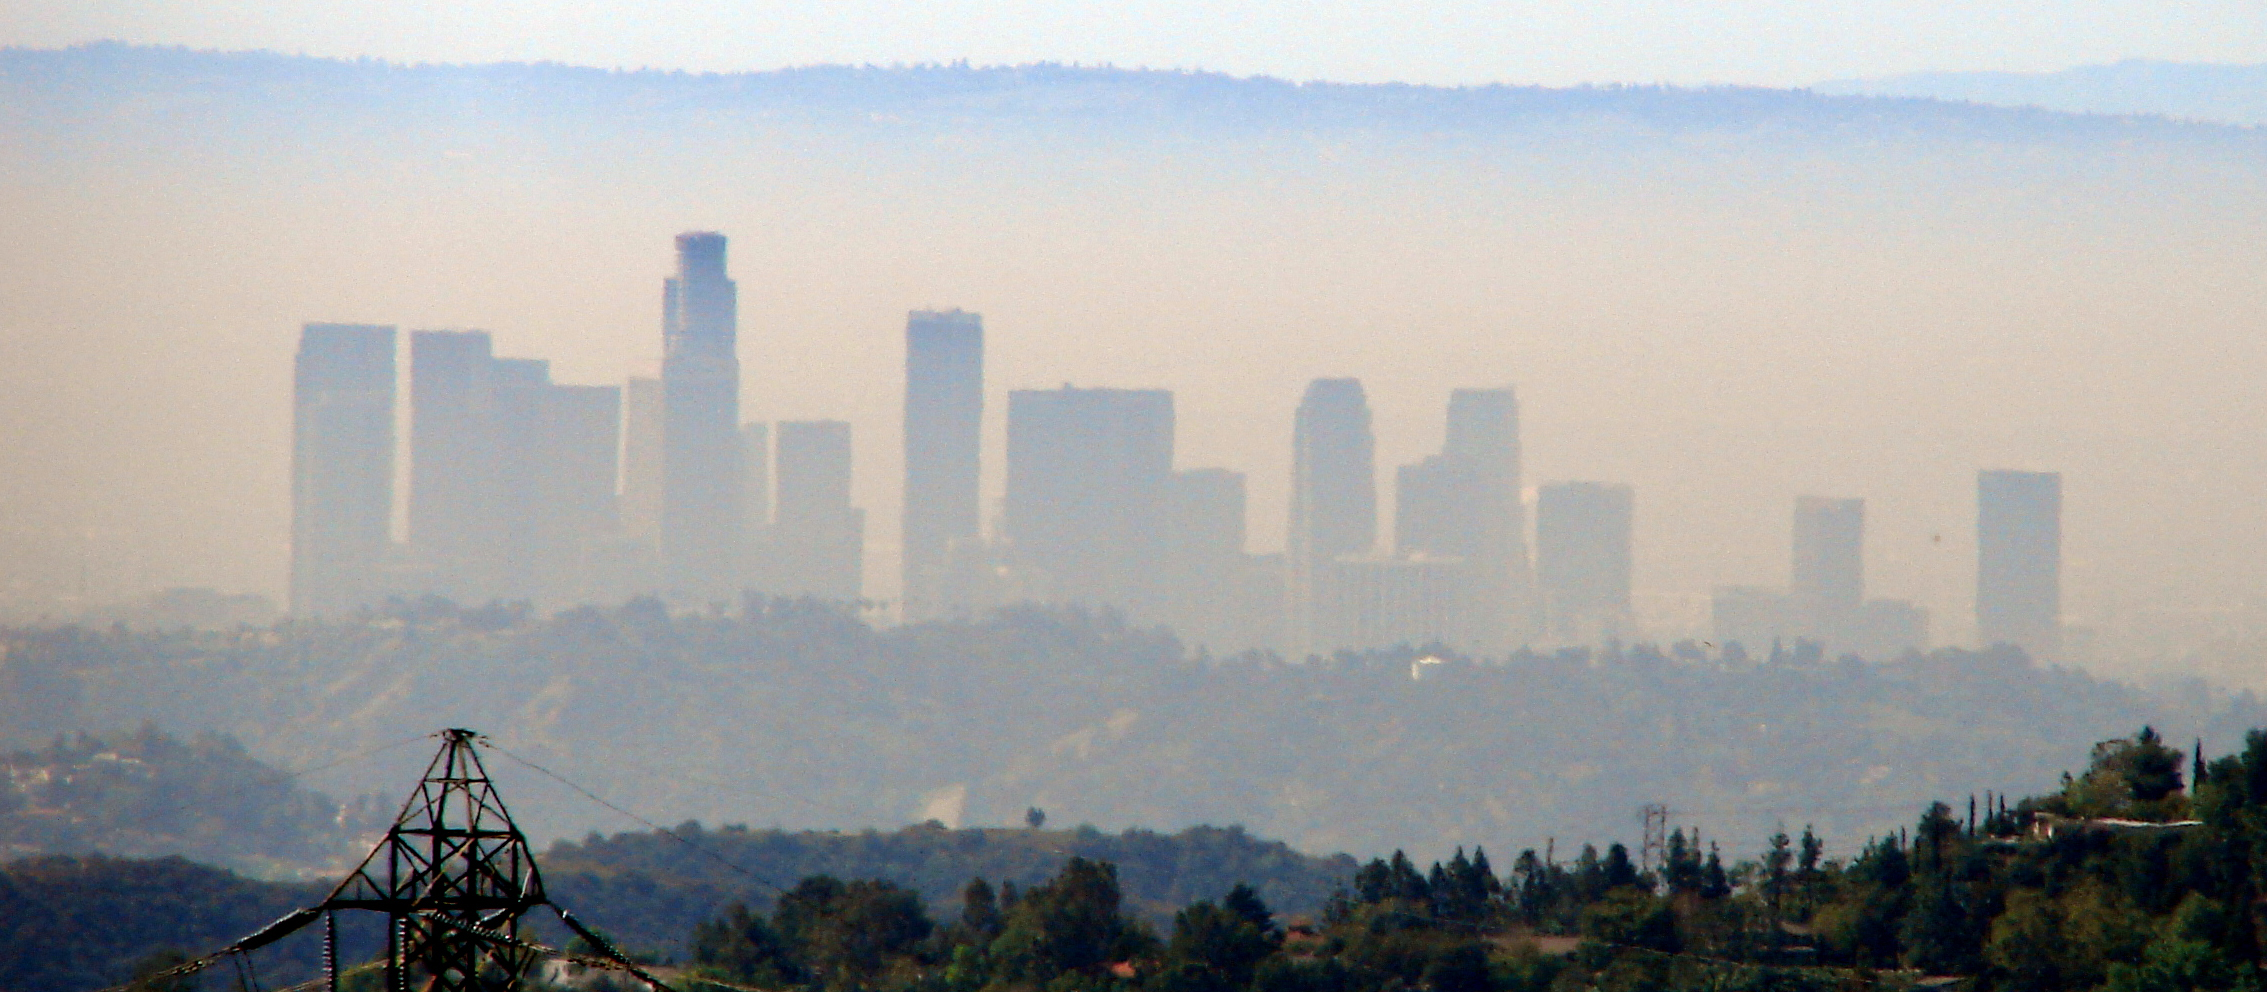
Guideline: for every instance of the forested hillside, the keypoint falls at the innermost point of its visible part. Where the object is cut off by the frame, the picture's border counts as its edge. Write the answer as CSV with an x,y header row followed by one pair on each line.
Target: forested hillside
x,y
649,889
148,793
2125,880
793,715
2133,876
76,924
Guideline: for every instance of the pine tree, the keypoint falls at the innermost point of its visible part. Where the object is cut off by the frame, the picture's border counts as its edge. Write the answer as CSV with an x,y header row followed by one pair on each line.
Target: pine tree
x,y
1714,883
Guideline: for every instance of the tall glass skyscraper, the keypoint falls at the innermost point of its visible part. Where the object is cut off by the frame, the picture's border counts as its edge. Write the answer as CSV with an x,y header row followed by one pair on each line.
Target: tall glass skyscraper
x,y
1089,476
456,479
2019,560
701,509
1334,500
818,540
1826,582
944,420
1583,559
1464,504
342,464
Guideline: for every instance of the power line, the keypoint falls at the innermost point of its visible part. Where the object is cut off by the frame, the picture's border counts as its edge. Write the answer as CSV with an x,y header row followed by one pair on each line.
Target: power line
x,y
491,744
770,790
358,755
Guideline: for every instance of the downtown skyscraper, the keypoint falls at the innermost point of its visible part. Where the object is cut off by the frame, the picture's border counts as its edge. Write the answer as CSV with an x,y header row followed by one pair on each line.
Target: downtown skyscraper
x,y
1826,575
2019,560
817,541
944,419
1334,500
701,510
1463,505
456,476
1823,611
1090,473
342,464
1583,560
512,476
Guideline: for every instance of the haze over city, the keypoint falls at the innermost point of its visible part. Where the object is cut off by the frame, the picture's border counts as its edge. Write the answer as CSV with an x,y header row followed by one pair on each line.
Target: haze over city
x,y
1723,318
1189,466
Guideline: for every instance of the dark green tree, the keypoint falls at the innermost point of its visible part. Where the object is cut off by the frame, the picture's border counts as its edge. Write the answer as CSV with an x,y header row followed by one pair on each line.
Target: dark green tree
x,y
1221,940
1463,967
1714,883
843,934
1778,865
1071,923
1534,888
1619,871
742,948
1941,935
1244,901
980,918
1681,865
2151,769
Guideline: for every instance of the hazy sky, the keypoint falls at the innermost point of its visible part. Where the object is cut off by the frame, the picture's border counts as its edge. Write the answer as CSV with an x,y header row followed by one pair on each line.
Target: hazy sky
x,y
1772,42
1724,316
1724,326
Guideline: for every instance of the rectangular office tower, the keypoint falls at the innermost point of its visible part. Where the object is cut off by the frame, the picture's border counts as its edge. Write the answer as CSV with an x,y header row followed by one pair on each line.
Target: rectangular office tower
x,y
1824,610
1463,506
1583,560
944,420
1089,473
456,477
701,509
559,461
1216,596
511,476
818,540
1827,577
641,460
1334,500
1384,601
342,464
2019,560
755,495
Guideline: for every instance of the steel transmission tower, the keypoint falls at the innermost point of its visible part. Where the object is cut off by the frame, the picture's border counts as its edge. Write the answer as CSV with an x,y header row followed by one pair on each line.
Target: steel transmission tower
x,y
1653,847
453,876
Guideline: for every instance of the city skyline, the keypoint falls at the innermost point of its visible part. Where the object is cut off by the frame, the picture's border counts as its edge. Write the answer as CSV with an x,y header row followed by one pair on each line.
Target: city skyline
x,y
1551,441
522,488
1666,314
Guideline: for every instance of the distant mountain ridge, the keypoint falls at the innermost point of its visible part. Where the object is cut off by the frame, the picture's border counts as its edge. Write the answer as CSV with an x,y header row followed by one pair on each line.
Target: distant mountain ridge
x,y
93,83
2234,94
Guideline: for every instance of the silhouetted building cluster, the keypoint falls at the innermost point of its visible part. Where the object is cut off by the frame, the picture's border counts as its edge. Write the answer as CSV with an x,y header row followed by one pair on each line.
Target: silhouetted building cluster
x,y
524,489
1825,602
2018,578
